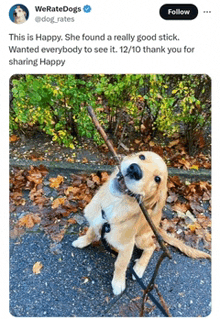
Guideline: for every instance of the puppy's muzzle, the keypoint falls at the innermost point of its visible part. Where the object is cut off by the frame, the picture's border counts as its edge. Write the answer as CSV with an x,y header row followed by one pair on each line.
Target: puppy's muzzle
x,y
134,172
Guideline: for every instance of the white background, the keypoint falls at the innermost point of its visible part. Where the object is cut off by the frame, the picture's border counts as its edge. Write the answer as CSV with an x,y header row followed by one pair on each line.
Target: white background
x,y
115,17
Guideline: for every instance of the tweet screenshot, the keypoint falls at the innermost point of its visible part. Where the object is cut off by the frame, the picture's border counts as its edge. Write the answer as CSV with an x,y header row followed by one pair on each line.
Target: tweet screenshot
x,y
110,137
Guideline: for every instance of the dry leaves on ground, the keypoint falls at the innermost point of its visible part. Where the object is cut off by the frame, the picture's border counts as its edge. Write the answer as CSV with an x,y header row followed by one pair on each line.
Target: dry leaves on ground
x,y
54,215
191,222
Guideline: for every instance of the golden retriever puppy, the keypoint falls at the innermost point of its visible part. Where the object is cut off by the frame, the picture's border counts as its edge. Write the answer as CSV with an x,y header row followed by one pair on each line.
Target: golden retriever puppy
x,y
145,173
19,15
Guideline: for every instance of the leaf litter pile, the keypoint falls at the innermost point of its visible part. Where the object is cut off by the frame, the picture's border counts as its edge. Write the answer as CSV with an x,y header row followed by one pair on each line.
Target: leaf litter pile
x,y
39,202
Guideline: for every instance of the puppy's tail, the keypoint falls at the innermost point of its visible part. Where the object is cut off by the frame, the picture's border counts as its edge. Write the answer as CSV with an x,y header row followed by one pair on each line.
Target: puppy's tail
x,y
187,250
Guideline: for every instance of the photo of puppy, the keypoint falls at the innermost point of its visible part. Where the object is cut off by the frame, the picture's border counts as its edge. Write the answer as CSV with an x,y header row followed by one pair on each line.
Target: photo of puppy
x,y
19,15
146,174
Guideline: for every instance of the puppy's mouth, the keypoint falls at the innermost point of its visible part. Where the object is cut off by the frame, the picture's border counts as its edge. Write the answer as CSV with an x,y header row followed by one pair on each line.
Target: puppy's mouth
x,y
118,184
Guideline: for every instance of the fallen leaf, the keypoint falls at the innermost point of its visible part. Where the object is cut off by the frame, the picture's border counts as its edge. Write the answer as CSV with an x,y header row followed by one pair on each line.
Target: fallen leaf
x,y
90,183
35,175
85,160
196,207
73,190
194,226
72,221
172,198
55,182
57,237
180,207
85,279
29,220
37,267
58,201
194,167
173,143
175,180
104,177
208,237
13,138
207,165
184,163
96,179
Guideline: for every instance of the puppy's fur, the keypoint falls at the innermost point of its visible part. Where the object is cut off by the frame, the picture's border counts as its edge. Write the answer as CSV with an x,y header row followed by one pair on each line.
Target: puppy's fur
x,y
145,173
19,15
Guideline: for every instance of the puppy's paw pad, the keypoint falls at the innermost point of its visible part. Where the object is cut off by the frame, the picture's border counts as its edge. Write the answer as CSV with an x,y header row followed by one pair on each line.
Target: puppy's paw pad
x,y
118,287
139,271
81,242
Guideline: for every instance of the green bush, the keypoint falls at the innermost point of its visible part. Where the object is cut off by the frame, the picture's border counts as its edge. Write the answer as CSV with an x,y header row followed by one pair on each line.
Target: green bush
x,y
58,104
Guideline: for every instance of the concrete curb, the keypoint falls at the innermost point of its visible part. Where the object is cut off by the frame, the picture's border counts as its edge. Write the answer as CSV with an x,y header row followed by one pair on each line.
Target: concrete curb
x,y
79,168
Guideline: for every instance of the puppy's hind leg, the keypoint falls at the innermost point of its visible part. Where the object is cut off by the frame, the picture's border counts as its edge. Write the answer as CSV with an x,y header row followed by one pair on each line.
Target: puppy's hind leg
x,y
85,240
141,264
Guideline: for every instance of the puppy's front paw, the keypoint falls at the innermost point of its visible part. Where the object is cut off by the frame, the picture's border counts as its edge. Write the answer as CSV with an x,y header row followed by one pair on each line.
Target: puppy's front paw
x,y
81,242
118,286
139,270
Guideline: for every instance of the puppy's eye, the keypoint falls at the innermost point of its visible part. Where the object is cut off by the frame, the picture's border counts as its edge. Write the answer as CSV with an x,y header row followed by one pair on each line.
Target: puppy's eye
x,y
157,179
142,157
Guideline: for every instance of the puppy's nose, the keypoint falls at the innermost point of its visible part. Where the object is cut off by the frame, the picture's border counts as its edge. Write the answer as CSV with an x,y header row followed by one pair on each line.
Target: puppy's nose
x,y
134,171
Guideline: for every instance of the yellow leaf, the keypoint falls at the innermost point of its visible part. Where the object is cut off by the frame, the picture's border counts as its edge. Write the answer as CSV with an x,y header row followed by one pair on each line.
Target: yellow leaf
x,y
194,167
37,267
194,227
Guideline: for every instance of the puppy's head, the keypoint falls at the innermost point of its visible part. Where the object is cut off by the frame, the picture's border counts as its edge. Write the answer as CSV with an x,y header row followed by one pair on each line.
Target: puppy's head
x,y
19,12
145,173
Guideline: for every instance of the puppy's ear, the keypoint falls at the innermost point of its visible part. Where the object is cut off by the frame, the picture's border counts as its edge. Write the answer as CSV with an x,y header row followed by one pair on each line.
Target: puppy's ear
x,y
158,200
161,199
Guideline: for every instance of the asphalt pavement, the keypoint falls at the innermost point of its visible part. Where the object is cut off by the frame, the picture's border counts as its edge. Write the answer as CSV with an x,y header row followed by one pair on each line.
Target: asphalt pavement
x,y
76,282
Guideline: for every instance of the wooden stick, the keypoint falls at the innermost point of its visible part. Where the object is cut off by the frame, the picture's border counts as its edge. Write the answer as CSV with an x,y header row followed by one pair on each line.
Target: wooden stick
x,y
102,132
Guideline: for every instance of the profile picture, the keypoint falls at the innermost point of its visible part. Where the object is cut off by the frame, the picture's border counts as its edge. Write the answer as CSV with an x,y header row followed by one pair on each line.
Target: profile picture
x,y
18,14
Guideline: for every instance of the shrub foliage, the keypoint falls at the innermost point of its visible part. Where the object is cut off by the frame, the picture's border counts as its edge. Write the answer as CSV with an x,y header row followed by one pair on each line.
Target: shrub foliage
x,y
147,104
